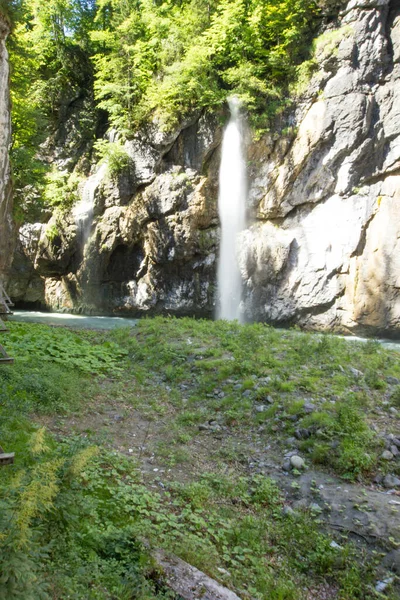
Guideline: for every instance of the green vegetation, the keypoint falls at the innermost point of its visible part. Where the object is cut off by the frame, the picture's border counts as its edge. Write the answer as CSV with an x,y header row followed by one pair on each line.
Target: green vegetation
x,y
76,508
114,155
139,61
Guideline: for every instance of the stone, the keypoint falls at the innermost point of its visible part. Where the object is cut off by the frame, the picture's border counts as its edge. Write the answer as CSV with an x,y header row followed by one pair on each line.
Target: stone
x,y
309,407
355,372
393,411
297,462
381,586
246,393
288,511
259,408
315,508
302,434
390,481
387,455
392,380
394,450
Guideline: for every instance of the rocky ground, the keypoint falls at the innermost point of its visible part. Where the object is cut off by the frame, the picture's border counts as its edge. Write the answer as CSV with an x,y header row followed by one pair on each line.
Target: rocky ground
x,y
317,415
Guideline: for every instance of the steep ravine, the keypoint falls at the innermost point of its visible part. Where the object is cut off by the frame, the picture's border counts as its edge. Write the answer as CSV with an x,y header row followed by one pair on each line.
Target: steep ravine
x,y
324,202
6,224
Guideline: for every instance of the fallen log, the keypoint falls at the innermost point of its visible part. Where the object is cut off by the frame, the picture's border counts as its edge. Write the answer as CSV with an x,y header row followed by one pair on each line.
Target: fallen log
x,y
189,582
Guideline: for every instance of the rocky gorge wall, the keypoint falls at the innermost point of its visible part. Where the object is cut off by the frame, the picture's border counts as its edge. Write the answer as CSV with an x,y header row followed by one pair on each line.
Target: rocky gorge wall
x,y
6,223
322,248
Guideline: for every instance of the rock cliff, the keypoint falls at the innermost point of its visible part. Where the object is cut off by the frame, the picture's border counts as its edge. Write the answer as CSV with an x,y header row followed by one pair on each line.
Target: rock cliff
x,y
323,246
6,224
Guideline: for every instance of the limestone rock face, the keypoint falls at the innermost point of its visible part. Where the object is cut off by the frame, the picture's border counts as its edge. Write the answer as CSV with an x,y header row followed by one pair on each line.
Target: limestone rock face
x,y
322,248
6,223
153,239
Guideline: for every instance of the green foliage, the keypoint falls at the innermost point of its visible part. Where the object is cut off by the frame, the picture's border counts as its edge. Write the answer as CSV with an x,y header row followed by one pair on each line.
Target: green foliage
x,y
65,348
60,535
72,516
61,189
164,60
114,155
49,49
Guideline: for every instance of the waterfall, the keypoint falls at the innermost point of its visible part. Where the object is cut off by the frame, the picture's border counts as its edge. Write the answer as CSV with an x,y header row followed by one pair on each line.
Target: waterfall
x,y
83,210
232,213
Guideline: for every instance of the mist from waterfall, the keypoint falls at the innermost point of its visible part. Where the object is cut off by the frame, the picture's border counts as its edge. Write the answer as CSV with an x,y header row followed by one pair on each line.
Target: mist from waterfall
x,y
232,213
83,210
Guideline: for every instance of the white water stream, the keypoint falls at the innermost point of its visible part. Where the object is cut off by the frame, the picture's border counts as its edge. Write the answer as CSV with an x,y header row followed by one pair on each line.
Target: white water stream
x,y
232,213
83,210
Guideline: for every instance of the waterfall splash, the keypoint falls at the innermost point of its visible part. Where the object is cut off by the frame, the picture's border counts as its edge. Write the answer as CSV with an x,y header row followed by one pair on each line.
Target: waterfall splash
x,y
83,211
232,213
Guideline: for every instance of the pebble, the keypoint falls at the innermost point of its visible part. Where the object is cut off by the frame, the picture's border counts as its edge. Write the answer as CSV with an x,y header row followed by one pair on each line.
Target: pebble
x,y
291,441
335,545
394,450
309,407
288,511
393,410
270,399
260,408
246,393
382,585
378,478
286,465
356,372
387,455
297,462
302,434
390,481
392,380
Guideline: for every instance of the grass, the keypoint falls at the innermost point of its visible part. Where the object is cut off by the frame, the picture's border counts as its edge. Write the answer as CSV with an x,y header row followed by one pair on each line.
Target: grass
x,y
198,385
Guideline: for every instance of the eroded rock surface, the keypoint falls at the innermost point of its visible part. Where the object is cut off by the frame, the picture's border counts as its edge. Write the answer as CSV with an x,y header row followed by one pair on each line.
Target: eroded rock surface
x,y
323,247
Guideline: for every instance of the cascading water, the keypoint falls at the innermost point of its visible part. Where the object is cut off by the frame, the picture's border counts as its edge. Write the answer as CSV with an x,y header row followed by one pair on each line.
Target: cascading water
x,y
232,213
83,211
